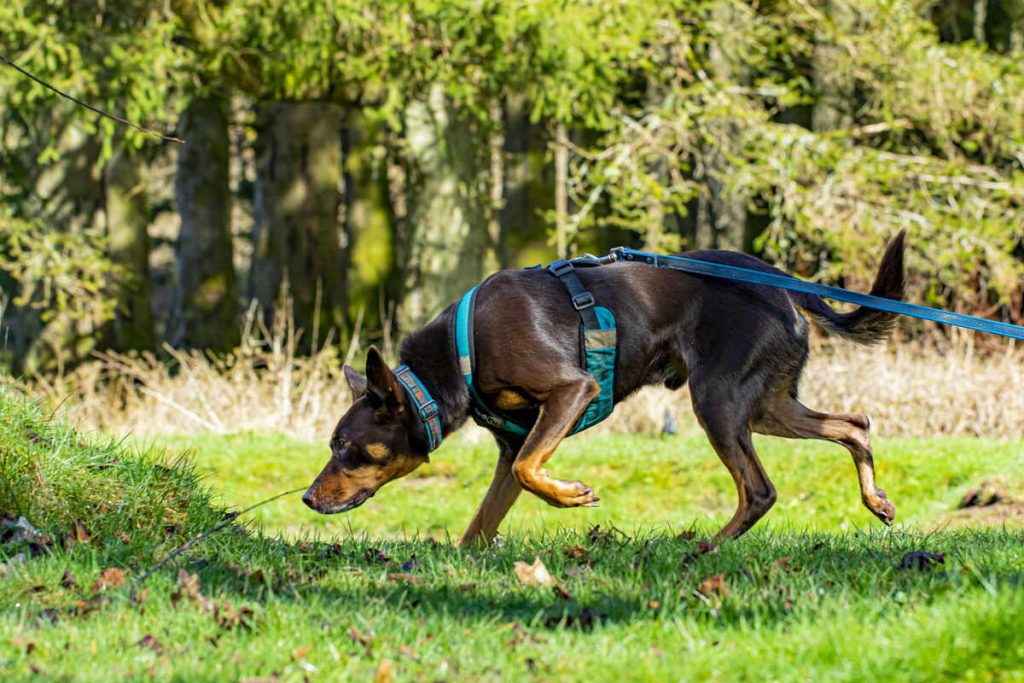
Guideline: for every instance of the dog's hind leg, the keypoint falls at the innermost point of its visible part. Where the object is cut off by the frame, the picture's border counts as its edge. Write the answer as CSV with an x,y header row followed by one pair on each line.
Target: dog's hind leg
x,y
561,408
785,416
500,496
724,419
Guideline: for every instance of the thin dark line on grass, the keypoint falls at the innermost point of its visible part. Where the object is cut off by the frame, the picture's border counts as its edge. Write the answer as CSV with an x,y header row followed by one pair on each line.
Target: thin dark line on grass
x,y
229,518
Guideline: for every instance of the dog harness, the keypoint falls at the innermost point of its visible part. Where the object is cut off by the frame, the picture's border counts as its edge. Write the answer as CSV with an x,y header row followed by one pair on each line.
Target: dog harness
x,y
597,330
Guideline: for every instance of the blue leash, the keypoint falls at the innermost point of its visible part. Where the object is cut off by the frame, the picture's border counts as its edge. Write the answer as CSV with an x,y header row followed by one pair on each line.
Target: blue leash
x,y
754,277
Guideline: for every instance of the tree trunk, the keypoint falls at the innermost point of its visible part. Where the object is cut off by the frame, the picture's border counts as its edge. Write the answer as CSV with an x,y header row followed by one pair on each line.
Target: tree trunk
x,y
297,200
447,208
128,242
206,274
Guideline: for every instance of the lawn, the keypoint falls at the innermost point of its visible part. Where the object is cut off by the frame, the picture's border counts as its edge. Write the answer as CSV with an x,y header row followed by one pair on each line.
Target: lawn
x,y
819,591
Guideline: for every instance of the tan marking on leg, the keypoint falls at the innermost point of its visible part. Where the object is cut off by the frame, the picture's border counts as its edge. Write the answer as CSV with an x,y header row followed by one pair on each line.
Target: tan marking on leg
x,y
509,399
789,418
558,414
500,496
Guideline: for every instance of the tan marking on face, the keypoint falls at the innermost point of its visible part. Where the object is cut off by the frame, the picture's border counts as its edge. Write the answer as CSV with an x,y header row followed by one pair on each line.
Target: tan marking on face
x,y
378,450
336,485
509,399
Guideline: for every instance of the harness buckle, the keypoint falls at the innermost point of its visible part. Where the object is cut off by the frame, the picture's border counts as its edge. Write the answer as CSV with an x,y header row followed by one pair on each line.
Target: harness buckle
x,y
583,300
429,411
560,268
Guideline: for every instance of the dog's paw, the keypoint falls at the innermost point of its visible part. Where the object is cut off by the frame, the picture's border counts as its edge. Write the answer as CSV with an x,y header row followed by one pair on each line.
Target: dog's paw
x,y
881,506
575,494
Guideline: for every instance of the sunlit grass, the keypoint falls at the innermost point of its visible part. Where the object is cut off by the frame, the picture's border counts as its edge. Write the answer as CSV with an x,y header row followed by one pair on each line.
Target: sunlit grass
x,y
820,591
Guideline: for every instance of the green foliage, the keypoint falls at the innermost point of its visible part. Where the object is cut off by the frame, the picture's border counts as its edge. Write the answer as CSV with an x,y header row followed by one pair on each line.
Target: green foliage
x,y
831,125
59,272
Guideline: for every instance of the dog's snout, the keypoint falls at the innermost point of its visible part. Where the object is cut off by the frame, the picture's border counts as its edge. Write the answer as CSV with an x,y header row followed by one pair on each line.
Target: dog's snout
x,y
308,499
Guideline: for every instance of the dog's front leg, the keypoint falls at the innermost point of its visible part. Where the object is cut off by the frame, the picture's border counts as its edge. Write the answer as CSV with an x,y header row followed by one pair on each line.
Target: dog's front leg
x,y
558,414
500,496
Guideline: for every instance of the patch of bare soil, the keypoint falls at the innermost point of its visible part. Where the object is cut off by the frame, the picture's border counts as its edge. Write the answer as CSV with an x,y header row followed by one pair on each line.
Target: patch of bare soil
x,y
989,504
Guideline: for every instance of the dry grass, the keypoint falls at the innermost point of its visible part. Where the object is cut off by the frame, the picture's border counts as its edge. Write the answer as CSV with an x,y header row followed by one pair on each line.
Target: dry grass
x,y
909,389
918,389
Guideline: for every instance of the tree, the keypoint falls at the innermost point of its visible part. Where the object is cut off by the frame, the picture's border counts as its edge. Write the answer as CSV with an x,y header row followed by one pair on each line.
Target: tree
x,y
206,273
298,197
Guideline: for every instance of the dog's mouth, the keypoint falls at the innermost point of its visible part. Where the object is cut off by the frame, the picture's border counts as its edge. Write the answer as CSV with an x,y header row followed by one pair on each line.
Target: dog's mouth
x,y
362,495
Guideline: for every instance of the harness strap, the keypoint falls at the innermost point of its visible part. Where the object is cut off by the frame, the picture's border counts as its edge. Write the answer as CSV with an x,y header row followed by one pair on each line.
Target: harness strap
x,y
464,348
426,406
582,300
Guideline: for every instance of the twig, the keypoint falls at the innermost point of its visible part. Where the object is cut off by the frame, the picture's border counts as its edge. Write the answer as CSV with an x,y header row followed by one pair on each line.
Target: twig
x,y
112,117
231,516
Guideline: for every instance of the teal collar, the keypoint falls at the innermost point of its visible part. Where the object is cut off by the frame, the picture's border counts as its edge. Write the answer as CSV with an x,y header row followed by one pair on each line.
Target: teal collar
x,y
426,407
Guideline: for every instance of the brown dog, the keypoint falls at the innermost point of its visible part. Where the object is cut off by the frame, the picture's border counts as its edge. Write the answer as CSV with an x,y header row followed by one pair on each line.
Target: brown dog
x,y
741,347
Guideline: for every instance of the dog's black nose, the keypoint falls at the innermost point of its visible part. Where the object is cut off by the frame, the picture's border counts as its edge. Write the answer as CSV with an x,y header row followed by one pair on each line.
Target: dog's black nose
x,y
307,498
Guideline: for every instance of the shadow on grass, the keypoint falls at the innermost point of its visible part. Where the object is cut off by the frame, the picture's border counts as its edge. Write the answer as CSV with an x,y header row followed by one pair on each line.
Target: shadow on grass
x,y
765,577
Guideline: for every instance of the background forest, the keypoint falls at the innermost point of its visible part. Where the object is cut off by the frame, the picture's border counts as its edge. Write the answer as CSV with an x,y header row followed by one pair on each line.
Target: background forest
x,y
361,164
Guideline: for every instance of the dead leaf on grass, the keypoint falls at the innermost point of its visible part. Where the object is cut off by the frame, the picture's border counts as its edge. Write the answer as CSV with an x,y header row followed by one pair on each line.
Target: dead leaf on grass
x,y
713,585
189,589
364,639
574,552
111,577
68,580
561,591
405,578
535,574
383,674
151,643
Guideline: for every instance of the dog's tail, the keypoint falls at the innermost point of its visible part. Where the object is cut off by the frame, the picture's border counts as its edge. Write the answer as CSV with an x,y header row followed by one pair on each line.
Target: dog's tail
x,y
862,325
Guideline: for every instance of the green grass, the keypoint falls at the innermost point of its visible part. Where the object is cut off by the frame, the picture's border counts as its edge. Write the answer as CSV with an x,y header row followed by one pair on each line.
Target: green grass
x,y
317,597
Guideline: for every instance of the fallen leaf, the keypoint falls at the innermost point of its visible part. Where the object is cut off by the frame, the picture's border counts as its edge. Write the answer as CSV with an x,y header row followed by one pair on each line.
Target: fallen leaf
x,y
376,555
467,587
574,552
597,535
189,589
921,560
151,643
535,574
300,652
228,618
407,651
69,580
561,591
782,563
713,584
111,577
364,639
125,538
405,578
703,548
383,674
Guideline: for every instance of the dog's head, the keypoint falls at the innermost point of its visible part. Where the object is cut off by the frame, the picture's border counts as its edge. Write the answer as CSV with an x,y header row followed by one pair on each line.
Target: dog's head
x,y
372,444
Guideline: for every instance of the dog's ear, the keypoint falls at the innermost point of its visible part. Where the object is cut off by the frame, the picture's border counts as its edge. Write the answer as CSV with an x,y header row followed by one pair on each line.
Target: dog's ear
x,y
356,382
384,389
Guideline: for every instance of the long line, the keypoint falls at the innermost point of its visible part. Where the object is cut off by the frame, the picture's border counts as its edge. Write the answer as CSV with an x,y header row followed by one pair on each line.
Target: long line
x,y
112,117
754,277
